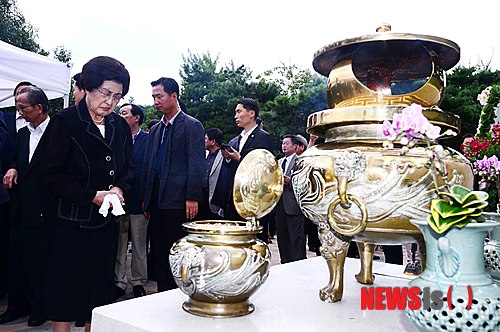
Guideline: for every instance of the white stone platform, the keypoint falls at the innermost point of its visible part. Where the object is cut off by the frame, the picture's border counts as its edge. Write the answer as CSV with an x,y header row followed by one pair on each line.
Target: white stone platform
x,y
288,301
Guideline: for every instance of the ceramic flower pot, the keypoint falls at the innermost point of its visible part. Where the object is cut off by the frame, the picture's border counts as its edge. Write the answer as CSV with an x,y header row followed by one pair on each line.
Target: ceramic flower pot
x,y
455,267
492,254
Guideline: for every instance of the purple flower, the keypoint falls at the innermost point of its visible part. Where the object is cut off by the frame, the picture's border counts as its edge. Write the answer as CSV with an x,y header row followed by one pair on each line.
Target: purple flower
x,y
409,126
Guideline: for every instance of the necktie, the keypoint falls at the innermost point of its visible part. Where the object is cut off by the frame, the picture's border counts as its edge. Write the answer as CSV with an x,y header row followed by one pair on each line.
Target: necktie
x,y
239,140
283,166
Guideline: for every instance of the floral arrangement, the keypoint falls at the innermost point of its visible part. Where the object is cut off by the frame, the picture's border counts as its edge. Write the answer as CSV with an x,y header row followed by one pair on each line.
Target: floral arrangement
x,y
489,98
455,205
484,148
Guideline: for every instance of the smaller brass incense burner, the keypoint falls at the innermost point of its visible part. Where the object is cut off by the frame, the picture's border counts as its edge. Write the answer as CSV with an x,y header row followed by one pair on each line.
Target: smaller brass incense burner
x,y
221,263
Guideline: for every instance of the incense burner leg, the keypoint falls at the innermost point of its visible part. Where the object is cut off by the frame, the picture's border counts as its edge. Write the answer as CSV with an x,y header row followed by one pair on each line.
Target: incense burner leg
x,y
335,252
366,251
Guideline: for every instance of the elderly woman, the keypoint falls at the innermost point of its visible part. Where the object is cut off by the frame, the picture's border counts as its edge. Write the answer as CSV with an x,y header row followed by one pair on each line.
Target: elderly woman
x,y
87,158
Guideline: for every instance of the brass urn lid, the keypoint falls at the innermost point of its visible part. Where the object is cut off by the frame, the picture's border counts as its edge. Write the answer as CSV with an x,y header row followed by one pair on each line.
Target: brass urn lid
x,y
374,76
324,59
258,184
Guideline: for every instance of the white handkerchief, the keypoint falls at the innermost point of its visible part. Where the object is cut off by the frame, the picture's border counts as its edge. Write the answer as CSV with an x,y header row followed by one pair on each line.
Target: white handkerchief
x,y
111,201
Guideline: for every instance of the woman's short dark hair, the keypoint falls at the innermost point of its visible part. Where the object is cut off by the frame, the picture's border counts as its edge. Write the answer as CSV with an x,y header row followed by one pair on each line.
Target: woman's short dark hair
x,y
36,96
104,68
250,105
136,110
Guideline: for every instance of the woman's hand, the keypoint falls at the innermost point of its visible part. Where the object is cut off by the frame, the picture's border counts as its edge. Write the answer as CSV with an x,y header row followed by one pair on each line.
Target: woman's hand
x,y
119,192
99,197
10,178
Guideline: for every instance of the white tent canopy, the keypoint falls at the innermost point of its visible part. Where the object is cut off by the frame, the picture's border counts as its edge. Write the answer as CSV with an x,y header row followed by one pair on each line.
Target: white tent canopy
x,y
17,65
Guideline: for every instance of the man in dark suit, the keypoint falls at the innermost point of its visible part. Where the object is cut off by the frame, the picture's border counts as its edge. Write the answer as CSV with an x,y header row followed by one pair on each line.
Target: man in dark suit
x,y
4,204
251,138
134,218
26,211
13,122
208,209
290,222
172,175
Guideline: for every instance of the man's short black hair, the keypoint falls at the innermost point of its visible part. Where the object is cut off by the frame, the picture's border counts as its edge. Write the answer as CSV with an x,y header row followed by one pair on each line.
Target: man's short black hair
x,y
216,134
136,110
152,122
21,84
76,78
169,85
250,105
292,138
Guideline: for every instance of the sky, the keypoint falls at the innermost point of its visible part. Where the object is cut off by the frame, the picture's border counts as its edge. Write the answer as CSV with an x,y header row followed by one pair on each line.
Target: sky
x,y
150,37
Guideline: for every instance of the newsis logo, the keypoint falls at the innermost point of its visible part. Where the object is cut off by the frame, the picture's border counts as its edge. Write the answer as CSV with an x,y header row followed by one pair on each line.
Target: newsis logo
x,y
413,298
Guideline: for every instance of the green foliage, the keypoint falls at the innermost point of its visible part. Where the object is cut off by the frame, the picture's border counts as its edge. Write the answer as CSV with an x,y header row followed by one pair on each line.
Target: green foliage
x,y
63,55
286,95
461,207
463,86
150,113
15,30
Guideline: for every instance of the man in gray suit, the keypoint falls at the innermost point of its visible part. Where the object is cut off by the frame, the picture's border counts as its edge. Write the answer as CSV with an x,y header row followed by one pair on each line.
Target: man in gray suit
x,y
172,175
290,222
213,141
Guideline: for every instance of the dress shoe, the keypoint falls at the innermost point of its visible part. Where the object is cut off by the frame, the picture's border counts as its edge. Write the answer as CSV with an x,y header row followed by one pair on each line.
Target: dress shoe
x,y
119,292
80,323
35,322
139,291
10,316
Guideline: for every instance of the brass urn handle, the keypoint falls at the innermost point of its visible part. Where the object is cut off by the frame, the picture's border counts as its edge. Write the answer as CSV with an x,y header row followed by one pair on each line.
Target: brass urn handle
x,y
184,272
347,166
336,225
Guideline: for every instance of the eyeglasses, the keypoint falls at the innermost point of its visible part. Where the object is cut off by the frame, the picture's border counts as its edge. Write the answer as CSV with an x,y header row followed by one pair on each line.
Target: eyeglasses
x,y
21,108
106,94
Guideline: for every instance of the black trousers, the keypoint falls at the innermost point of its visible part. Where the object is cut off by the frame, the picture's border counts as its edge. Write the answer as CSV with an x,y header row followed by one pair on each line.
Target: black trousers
x,y
25,270
166,229
4,247
312,236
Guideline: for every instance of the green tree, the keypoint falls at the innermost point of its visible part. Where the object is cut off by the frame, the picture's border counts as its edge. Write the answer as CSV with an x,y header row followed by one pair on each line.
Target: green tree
x,y
460,98
210,92
15,30
286,94
301,93
63,55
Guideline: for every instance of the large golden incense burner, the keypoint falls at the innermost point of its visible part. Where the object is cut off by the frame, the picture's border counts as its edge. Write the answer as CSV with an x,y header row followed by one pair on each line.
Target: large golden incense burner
x,y
350,186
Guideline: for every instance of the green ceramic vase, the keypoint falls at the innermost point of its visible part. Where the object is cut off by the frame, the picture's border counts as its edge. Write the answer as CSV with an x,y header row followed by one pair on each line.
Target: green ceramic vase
x,y
470,299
